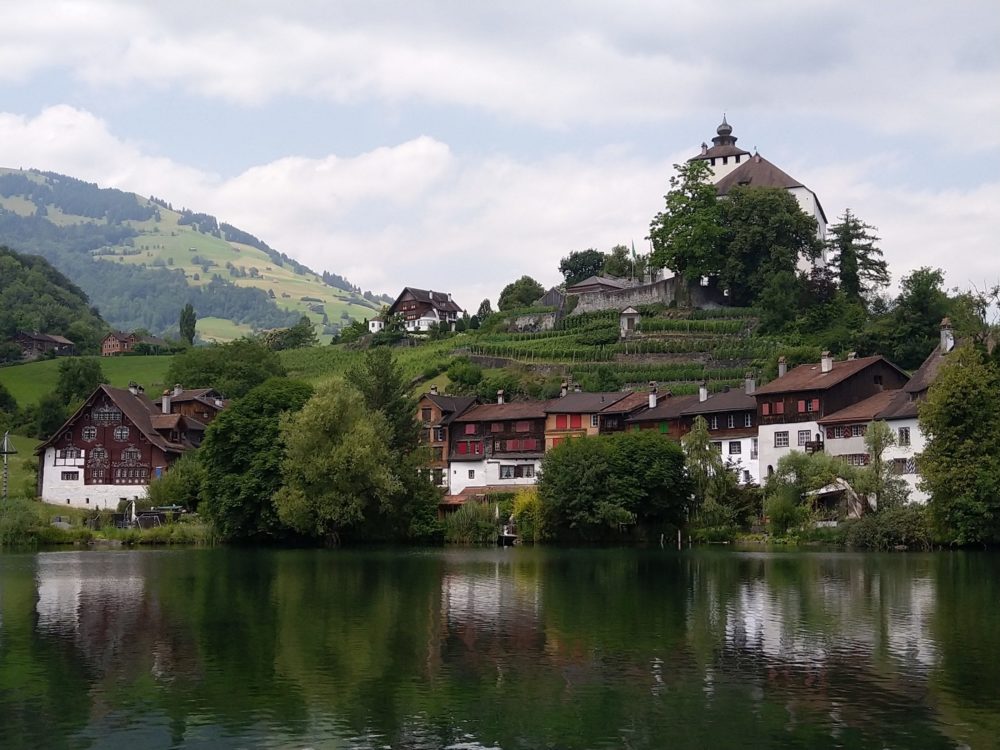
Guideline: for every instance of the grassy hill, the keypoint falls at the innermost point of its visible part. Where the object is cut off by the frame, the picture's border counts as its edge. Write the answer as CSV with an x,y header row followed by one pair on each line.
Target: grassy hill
x,y
83,229
28,382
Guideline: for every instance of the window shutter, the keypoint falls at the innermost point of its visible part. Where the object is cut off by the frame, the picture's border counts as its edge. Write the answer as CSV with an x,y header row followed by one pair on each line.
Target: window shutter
x,y
765,409
575,421
560,421
779,407
802,406
815,404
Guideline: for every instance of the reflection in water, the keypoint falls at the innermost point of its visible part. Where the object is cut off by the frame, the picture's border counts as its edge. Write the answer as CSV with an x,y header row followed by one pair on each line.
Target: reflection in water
x,y
498,648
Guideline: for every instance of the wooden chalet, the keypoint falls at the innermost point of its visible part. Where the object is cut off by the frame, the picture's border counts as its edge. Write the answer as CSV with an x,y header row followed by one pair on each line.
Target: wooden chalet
x,y
119,342
436,414
420,309
35,345
110,449
579,413
201,405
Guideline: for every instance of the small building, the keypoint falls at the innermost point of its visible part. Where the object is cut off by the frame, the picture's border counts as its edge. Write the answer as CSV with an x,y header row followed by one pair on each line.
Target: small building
x,y
731,416
422,308
35,345
552,298
628,321
119,342
576,414
376,324
110,449
594,284
436,414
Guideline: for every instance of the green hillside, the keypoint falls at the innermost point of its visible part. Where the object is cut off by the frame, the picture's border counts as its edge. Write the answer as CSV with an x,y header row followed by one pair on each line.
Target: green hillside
x,y
140,260
30,381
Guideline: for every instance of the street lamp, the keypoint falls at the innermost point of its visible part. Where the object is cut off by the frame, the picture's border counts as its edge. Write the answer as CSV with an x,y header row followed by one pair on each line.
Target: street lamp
x,y
6,450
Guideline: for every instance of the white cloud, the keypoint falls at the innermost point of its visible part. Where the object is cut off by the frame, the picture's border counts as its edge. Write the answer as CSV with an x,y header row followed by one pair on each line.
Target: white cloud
x,y
417,213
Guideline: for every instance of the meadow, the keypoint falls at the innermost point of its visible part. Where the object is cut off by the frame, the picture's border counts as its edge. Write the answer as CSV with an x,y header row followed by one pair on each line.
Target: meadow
x,y
29,382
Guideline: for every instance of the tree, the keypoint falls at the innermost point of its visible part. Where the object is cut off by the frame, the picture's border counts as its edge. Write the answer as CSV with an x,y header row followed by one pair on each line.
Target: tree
x,y
764,233
960,464
300,335
687,233
380,382
920,307
713,483
187,323
78,377
855,256
883,489
181,484
49,415
484,311
233,368
8,404
623,263
580,265
241,457
339,465
521,293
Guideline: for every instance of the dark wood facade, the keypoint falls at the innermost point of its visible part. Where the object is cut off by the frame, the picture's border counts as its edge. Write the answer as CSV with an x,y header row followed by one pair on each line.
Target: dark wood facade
x,y
435,414
514,430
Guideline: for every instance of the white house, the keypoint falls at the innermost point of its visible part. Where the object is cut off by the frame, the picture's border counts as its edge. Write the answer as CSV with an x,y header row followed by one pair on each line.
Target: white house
x,y
731,416
420,309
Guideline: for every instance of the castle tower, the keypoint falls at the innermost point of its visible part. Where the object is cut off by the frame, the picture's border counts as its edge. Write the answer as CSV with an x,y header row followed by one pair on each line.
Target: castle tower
x,y
724,156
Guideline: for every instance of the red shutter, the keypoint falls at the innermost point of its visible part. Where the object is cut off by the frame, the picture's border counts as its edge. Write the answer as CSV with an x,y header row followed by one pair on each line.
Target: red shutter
x,y
802,406
560,421
463,448
779,407
470,429
576,421
815,404
765,409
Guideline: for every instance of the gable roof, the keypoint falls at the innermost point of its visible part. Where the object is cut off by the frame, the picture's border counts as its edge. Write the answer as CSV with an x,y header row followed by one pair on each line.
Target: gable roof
x,y
50,338
512,410
863,411
438,300
450,406
725,149
928,371
731,400
607,281
581,402
667,407
632,402
759,172
903,405
810,377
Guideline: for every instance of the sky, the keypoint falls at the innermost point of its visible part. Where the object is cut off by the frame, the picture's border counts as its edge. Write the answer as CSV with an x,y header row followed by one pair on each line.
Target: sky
x,y
458,145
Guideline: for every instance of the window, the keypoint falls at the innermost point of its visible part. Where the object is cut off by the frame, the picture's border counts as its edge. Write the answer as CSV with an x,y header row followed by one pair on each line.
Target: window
x,y
735,448
425,435
803,437
717,445
462,448
496,427
878,380
765,409
517,472
802,406
506,472
753,448
610,423
575,421
594,420
472,473
748,420
439,434
522,426
813,405
746,477
470,429
530,444
713,423
425,415
98,454
121,433
857,459
779,407
562,421
664,428
131,454
89,433
859,430
903,436
70,476
438,476
781,439
106,415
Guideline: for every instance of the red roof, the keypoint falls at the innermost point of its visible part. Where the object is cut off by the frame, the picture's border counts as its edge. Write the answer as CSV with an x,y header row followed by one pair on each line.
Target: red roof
x,y
811,377
863,411
513,410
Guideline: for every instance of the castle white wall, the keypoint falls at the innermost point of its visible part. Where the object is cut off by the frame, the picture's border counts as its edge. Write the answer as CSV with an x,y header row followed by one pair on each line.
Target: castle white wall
x,y
76,494
720,170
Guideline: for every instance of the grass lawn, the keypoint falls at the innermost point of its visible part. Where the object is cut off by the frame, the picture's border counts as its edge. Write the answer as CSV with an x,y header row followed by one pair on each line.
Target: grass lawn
x,y
22,477
221,330
32,380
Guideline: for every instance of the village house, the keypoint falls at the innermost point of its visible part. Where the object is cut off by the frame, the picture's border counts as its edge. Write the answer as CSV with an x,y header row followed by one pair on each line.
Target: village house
x,y
664,414
790,408
35,345
577,413
436,414
110,449
495,447
731,417
420,309
119,342
198,406
614,417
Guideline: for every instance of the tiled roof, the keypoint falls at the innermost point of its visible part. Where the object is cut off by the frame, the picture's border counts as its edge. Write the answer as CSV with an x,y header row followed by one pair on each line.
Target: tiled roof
x,y
581,402
863,411
632,402
598,281
756,172
717,151
512,410
928,371
451,406
732,400
668,407
439,300
903,405
810,377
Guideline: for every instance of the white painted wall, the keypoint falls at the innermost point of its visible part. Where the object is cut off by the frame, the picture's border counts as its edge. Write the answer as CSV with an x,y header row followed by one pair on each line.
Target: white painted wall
x,y
487,472
918,441
720,170
744,461
57,490
810,206
769,455
458,475
375,325
493,471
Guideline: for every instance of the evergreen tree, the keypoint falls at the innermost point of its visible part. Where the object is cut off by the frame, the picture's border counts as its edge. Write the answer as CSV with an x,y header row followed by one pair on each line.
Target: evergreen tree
x,y
855,256
379,379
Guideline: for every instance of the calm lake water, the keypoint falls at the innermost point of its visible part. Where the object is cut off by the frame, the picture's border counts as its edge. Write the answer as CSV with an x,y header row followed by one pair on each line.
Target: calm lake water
x,y
516,648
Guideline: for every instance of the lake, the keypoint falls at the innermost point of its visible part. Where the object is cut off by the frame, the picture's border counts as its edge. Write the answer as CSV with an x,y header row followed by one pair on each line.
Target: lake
x,y
493,648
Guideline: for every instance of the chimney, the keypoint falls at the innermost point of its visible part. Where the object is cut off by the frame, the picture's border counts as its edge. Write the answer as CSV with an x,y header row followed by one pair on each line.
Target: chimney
x,y
563,389
704,148
749,384
852,356
947,336
826,362
165,402
434,390
782,367
703,391
500,396
652,394
178,390
133,388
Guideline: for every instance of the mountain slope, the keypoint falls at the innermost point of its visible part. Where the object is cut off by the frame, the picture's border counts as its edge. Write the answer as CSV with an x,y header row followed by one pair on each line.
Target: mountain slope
x,y
34,296
139,260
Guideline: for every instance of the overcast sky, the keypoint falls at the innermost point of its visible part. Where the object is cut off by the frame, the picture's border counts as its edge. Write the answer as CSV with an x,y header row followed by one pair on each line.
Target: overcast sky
x,y
456,145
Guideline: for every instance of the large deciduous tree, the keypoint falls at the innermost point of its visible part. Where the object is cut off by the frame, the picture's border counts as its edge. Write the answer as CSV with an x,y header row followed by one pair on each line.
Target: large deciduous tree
x,y
233,368
855,256
686,234
242,455
521,293
580,265
188,322
960,464
78,377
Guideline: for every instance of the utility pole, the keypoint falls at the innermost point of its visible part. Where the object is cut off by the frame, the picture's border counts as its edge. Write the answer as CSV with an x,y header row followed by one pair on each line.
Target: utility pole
x,y
6,450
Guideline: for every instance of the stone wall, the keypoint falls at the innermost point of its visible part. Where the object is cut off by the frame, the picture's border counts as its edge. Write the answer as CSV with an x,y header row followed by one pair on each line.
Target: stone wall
x,y
663,291
534,323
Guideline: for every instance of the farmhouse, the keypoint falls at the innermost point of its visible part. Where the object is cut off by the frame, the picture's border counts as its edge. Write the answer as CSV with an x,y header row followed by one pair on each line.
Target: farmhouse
x,y
35,345
110,449
119,342
420,309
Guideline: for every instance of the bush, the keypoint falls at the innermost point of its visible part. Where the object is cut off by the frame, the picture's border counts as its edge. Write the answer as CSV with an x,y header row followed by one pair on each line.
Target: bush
x,y
19,522
472,523
784,512
529,516
904,527
464,373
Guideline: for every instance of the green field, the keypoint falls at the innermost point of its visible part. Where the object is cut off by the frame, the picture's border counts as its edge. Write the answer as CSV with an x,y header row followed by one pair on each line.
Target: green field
x,y
30,381
21,466
221,330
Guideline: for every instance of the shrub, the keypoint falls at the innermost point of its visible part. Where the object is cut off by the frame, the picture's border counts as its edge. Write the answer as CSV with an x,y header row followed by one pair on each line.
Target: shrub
x,y
19,522
907,526
784,512
472,523
529,515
